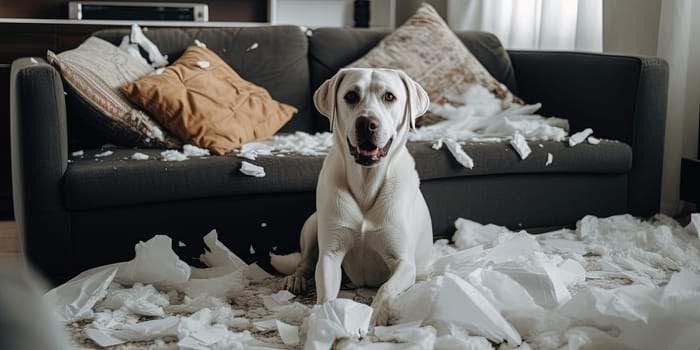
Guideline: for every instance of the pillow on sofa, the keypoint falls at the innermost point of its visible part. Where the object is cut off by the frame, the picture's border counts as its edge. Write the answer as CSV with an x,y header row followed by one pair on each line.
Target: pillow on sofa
x,y
429,52
94,71
206,103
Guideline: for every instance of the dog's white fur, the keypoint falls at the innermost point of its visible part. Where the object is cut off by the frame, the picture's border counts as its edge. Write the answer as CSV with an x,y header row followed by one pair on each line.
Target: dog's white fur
x,y
372,218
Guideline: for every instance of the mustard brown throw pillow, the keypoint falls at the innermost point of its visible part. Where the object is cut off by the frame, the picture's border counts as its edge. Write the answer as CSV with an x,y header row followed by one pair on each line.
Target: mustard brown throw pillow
x,y
94,71
205,102
429,52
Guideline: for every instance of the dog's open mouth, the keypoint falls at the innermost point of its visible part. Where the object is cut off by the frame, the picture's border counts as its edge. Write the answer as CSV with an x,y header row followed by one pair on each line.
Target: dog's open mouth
x,y
366,153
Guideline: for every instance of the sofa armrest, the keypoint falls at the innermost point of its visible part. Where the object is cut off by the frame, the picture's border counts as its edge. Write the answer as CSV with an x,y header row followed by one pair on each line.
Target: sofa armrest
x,y
39,160
620,97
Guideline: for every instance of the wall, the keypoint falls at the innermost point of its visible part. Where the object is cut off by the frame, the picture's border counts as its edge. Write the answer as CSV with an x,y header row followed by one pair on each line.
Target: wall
x,y
406,8
631,26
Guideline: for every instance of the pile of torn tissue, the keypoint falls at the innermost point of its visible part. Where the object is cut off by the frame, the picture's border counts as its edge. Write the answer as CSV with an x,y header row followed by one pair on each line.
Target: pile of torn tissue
x,y
616,283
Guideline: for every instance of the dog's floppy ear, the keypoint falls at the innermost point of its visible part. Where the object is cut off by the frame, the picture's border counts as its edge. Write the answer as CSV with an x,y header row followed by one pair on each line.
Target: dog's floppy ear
x,y
417,101
325,96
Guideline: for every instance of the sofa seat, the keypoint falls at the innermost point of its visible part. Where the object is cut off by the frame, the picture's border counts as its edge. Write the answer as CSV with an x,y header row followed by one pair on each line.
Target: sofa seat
x,y
116,180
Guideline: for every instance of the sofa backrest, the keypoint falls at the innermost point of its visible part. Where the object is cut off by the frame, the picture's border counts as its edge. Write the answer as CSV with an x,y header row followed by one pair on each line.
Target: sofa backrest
x,y
291,64
333,48
274,57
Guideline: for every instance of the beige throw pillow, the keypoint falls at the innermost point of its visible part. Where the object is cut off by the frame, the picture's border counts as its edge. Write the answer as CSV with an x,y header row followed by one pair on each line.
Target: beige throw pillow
x,y
95,70
205,102
429,52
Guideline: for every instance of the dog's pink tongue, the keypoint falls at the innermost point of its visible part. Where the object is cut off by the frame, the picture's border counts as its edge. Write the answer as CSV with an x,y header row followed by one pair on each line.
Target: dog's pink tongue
x,y
366,153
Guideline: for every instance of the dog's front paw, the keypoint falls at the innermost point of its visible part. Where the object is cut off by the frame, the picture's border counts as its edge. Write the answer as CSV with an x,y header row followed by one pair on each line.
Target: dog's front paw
x,y
295,283
380,315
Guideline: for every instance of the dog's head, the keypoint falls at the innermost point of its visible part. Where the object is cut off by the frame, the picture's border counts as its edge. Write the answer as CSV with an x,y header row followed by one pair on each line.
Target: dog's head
x,y
370,109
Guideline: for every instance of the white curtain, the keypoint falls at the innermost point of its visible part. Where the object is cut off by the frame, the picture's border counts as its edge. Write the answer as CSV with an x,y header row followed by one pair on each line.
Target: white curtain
x,y
679,44
533,24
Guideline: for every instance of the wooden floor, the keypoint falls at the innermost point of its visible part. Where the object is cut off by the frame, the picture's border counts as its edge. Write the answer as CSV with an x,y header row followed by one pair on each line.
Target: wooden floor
x,y
9,246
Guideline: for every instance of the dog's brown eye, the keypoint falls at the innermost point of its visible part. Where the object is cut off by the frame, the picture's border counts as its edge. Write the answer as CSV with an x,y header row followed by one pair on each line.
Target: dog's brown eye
x,y
389,97
351,97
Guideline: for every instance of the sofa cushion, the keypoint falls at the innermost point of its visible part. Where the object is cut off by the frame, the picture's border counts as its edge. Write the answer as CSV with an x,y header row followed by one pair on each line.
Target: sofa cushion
x,y
94,71
333,48
117,180
429,52
273,57
206,103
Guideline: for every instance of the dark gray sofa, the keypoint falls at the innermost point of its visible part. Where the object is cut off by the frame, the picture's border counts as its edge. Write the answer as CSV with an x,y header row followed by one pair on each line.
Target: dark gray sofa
x,y
73,214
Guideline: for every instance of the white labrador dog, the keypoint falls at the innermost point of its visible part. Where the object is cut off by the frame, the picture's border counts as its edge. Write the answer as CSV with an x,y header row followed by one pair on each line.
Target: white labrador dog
x,y
371,217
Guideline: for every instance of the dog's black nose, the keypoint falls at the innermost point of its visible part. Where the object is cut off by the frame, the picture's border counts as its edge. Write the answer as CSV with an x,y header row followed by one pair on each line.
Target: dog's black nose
x,y
367,124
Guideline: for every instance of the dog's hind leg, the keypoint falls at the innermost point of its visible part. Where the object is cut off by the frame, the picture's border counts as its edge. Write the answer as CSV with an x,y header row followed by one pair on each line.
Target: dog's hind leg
x,y
308,241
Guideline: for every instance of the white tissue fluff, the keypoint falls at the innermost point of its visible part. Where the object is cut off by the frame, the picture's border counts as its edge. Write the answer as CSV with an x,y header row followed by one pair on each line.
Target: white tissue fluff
x,y
173,155
252,169
137,37
203,64
155,263
459,154
139,156
520,145
612,283
579,137
194,151
334,319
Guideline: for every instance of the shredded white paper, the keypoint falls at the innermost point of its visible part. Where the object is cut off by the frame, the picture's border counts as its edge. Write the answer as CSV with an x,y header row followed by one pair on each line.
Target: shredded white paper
x,y
194,151
580,136
203,64
104,154
252,170
616,282
593,140
550,158
173,155
520,145
139,156
78,153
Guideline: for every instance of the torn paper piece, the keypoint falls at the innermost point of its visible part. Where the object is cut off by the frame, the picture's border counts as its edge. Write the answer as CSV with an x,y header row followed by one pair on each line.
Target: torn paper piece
x,y
504,293
409,333
251,250
593,140
141,331
265,325
140,299
78,153
226,286
334,319
256,273
252,170
459,154
194,151
103,338
464,261
545,289
157,59
74,300
33,60
203,64
694,225
459,302
252,150
520,145
139,156
155,263
579,137
191,305
218,255
288,333
285,264
104,154
550,157
173,155
437,144
470,234
252,47
274,302
415,303
200,44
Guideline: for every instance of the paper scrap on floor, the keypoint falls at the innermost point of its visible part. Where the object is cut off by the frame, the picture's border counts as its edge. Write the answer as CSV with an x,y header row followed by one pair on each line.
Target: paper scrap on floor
x,y
615,282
